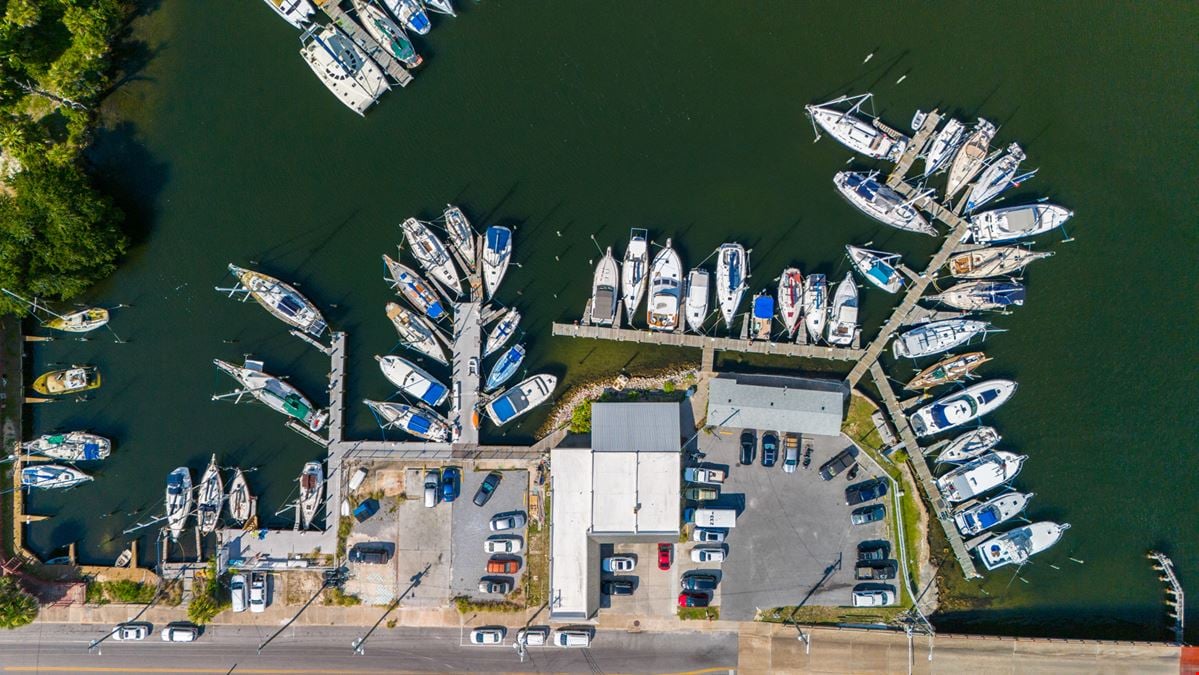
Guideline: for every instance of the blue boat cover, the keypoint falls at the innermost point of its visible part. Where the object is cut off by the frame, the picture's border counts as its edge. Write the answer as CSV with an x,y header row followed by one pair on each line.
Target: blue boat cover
x,y
435,391
881,272
987,518
938,413
419,425
290,305
763,307
435,311
988,395
503,409
91,451
497,238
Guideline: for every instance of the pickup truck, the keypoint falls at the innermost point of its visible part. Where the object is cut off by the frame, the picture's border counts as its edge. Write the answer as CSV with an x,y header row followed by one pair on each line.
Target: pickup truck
x,y
700,475
874,570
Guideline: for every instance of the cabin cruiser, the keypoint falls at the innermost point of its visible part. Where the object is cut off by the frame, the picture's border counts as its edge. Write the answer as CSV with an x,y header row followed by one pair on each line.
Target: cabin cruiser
x,y
344,68
980,475
521,399
1016,222
665,289
604,287
1018,545
996,510
961,407
843,313
697,299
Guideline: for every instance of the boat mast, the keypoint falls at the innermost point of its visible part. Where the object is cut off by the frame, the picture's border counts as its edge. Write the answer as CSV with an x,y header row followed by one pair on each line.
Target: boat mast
x,y
33,306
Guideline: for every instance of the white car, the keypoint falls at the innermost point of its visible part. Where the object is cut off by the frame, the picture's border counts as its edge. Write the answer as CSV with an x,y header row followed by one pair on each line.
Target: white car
x,y
618,563
237,593
180,633
533,637
879,598
487,636
708,536
513,520
503,545
699,475
705,554
130,631
257,592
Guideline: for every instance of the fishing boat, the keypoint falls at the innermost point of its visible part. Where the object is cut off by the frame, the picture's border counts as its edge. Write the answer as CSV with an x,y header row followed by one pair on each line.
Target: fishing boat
x,y
1018,545
843,313
431,254
633,272
961,407
937,336
790,296
980,475
815,305
969,445
497,252
418,421
982,294
988,514
387,33
240,501
73,380
178,500
411,14
410,379
503,331
521,399
442,6
506,367
278,395
416,290
312,491
280,299
604,287
665,289
296,12
763,315
209,495
462,235
993,262
124,559
947,142
876,267
732,268
81,321
697,299
970,157
1016,222
343,67
51,476
999,176
881,202
856,133
949,369
416,333
74,446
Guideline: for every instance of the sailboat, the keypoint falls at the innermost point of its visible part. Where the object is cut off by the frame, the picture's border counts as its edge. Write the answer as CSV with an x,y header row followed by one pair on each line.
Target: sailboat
x,y
604,287
970,157
697,299
506,367
633,272
74,446
411,14
1016,222
876,267
73,380
969,445
210,494
815,305
416,290
442,6
732,268
312,491
843,314
51,476
996,510
937,336
993,262
982,294
387,33
497,251
278,395
240,501
431,254
178,500
410,379
947,142
949,369
996,178
961,407
343,67
280,299
763,315
419,421
881,202
503,331
854,132
521,399
1018,545
79,321
296,12
790,297
665,289
462,236
416,333
980,475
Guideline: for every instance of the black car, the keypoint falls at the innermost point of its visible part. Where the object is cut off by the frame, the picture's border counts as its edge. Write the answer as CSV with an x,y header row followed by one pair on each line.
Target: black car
x,y
617,587
490,483
842,461
868,514
748,443
699,582
875,571
770,450
865,491
370,554
873,550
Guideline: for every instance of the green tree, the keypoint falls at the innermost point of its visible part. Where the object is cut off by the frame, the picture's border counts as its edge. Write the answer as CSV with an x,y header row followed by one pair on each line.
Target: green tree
x,y
17,608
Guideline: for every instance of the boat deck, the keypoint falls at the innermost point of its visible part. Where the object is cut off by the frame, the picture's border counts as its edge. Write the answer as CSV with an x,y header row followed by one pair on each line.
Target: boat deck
x,y
390,65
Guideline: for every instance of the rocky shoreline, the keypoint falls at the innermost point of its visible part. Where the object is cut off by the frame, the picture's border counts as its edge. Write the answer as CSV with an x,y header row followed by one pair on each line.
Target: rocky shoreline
x,y
590,391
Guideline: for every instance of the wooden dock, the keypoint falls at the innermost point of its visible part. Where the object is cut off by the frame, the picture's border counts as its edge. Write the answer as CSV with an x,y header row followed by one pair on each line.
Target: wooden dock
x,y
915,148
377,52
467,348
705,342
1175,599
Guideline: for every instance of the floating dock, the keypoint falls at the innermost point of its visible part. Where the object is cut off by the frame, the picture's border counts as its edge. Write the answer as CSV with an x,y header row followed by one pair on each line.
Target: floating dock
x,y
467,363
1175,599
680,339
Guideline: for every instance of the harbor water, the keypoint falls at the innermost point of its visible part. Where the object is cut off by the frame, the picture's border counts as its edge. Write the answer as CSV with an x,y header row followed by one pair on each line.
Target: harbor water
x,y
568,121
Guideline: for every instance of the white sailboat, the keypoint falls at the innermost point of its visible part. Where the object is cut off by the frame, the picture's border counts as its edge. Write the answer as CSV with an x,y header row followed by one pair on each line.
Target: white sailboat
x,y
790,296
411,14
980,475
521,399
414,289
343,67
51,476
937,336
981,294
999,176
815,305
732,269
969,445
1018,545
443,6
947,142
240,500
970,157
853,132
1016,222
634,272
698,294
993,262
296,12
996,510
843,313
502,333
312,491
497,251
419,421
275,393
282,300
665,290
412,380
416,333
387,33
210,494
431,254
876,267
961,407
462,235
604,287
178,500
881,202
73,446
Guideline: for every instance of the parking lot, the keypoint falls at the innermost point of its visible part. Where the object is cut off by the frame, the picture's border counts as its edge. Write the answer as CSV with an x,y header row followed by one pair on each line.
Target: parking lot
x,y
470,528
655,592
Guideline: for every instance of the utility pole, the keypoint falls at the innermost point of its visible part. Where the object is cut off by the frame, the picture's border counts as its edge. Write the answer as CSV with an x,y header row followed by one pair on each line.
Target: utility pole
x,y
359,644
324,584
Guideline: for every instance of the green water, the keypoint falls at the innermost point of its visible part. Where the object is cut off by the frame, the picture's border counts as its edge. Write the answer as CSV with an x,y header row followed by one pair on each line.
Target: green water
x,y
685,118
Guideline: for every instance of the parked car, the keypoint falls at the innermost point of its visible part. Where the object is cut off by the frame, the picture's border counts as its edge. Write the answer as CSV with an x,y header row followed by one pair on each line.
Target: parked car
x,y
868,514
618,563
503,545
258,592
180,632
487,636
701,494
370,554
865,491
665,555
495,585
130,631
512,520
237,593
617,587
503,565
708,536
536,636
366,509
487,488
704,554
572,637
874,550
432,485
690,599
873,598
875,571
770,449
790,453
699,582
696,474
748,443
451,483
840,462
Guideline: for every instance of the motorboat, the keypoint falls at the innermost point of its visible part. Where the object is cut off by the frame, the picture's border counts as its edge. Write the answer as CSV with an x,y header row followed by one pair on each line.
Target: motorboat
x,y
970,157
980,475
997,177
665,289
296,12
763,315
209,495
732,269
178,500
698,295
521,399
1018,545
790,296
996,510
981,294
497,251
416,333
275,393
443,6
604,287
80,321
506,367
124,558
312,492
937,336
462,235
431,254
944,146
385,31
418,421
504,329
240,500
815,305
1016,222
51,476
969,445
416,290
343,67
282,300
73,380
634,272
73,446
993,262
412,380
876,267
412,14
949,369
843,313
881,202
855,133
961,407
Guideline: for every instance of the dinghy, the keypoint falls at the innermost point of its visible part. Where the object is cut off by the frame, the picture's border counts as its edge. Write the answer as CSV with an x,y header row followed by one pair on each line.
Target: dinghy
x,y
881,202
278,395
944,146
280,299
240,501
51,476
853,132
949,369
209,495
961,407
417,291
937,336
387,33
73,380
521,399
74,446
415,333
178,500
506,367
969,445
503,331
431,254
732,268
634,272
980,475
970,157
994,511
876,267
843,313
697,299
993,262
415,420
1016,222
462,235
790,297
497,251
665,289
603,291
1018,545
815,305
996,178
296,12
410,379
312,491
411,14
763,314
80,321
983,294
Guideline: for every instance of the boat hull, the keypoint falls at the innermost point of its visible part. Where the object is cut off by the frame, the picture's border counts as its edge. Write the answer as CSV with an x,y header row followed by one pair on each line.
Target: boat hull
x,y
1017,222
634,272
968,160
414,289
947,370
875,268
520,399
282,300
731,272
432,255
415,333
75,446
506,367
936,337
843,314
663,305
502,333
178,500
969,445
697,299
312,492
74,380
209,497
462,235
856,133
1018,545
980,475
995,511
961,407
605,286
82,321
881,203
52,476
413,380
790,298
815,305
993,262
497,252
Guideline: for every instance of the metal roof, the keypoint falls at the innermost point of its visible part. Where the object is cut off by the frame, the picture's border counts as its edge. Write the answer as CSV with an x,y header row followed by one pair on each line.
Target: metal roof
x,y
786,404
635,427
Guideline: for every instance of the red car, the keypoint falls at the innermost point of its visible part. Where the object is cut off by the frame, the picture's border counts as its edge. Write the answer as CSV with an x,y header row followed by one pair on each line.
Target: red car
x,y
690,599
665,551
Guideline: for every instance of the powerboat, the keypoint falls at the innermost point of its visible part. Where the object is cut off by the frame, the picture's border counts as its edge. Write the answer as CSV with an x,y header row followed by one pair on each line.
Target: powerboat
x,y
604,287
385,31
521,399
282,300
412,380
937,336
997,177
275,393
431,254
876,267
697,298
665,289
74,446
418,421
416,333
503,331
312,491
790,296
949,369
73,380
961,407
296,12
732,268
993,262
988,514
855,133
947,142
416,290
970,157
1016,222
980,475
633,273
981,294
462,235
343,67
497,251
1018,545
969,445
881,202
411,14
843,313
240,501
51,476
178,500
79,321
815,305
210,494
763,315
506,367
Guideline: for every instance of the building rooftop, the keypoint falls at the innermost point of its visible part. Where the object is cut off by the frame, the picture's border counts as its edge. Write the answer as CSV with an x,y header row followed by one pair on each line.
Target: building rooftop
x,y
570,564
639,427
786,404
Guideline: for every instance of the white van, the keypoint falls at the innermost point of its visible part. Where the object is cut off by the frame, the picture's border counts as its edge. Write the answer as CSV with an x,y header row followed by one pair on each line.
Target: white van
x,y
237,592
572,637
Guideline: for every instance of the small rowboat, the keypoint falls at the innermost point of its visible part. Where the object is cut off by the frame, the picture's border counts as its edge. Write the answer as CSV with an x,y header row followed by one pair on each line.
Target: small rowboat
x,y
947,370
124,559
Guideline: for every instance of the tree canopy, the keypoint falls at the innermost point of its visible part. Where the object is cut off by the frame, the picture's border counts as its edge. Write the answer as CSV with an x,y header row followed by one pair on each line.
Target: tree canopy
x,y
17,608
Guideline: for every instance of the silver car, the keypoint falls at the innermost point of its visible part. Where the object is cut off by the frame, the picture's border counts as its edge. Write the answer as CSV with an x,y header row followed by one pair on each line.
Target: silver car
x,y
130,631
513,520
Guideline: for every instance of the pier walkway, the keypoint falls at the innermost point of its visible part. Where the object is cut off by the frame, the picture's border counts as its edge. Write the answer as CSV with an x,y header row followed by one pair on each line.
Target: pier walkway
x,y
915,148
378,53
467,347
1176,603
679,339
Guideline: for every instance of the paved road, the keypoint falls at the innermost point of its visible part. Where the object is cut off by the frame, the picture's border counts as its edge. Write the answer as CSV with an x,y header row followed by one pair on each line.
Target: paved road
x,y
225,649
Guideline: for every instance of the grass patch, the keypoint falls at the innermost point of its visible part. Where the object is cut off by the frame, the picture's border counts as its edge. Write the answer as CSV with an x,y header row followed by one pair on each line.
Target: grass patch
x,y
95,593
814,614
124,590
536,582
208,599
339,598
344,525
860,427
580,418
467,606
699,613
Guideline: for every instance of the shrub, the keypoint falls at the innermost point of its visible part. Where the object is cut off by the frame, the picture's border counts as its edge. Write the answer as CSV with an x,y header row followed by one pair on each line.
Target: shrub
x,y
580,419
17,608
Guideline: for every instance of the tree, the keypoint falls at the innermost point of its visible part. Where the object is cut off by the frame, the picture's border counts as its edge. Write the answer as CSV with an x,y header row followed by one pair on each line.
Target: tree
x,y
17,608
